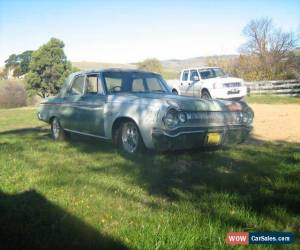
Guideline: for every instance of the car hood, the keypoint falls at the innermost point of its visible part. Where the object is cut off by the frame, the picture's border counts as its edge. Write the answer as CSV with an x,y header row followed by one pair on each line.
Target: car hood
x,y
226,79
180,102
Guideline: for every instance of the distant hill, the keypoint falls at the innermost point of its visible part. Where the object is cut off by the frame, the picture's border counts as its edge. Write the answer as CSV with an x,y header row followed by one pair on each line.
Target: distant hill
x,y
173,65
84,65
177,65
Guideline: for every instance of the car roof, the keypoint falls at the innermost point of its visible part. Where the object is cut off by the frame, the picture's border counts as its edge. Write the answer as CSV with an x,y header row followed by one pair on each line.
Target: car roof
x,y
121,70
197,68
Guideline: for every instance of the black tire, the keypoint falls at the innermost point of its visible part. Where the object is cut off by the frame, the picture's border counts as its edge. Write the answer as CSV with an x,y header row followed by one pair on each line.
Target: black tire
x,y
175,92
57,132
132,145
205,95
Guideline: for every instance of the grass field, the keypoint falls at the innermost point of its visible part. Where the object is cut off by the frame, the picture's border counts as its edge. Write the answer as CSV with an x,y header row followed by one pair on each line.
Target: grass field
x,y
271,99
86,194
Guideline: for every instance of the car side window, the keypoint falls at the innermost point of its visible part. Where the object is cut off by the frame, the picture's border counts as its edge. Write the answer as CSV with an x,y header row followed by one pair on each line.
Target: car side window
x,y
193,74
138,85
77,86
92,84
153,84
114,84
185,75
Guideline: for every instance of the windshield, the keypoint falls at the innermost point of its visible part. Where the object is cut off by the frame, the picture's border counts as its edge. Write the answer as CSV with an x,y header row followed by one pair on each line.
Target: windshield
x,y
135,82
211,73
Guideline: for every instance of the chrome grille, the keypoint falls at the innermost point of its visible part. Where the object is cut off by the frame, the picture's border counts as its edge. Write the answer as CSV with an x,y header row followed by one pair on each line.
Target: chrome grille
x,y
232,84
214,117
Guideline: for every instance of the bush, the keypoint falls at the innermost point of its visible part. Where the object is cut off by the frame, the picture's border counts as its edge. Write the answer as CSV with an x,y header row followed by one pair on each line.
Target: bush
x,y
12,94
151,64
250,68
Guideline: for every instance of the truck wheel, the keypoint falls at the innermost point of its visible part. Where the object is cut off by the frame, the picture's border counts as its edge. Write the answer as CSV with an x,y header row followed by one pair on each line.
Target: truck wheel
x,y
57,132
129,138
175,92
205,95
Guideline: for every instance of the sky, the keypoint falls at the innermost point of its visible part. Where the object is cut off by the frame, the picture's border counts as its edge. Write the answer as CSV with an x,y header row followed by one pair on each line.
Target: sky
x,y
130,31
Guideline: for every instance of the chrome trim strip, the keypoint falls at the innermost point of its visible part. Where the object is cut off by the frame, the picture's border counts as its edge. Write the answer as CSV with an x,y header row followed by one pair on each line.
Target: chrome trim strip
x,y
179,133
87,134
211,126
75,104
209,129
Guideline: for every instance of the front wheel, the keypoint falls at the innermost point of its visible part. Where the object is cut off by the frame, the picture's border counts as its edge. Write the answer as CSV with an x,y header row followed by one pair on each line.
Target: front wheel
x,y
57,132
129,138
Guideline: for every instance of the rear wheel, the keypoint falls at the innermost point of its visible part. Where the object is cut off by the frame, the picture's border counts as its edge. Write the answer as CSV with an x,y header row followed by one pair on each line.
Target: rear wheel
x,y
205,95
129,138
57,132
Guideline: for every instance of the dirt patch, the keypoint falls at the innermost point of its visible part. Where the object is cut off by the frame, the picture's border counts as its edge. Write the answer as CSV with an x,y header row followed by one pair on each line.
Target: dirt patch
x,y
276,122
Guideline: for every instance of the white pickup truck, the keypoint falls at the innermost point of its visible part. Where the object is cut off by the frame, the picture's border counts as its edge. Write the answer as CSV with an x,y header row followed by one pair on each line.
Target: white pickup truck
x,y
208,82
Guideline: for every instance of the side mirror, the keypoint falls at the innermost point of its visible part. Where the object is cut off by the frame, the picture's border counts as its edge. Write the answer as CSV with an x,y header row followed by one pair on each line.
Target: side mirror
x,y
195,78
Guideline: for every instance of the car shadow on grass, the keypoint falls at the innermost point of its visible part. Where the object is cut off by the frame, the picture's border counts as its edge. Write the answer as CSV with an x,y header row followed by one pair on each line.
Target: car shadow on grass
x,y
263,178
262,175
29,221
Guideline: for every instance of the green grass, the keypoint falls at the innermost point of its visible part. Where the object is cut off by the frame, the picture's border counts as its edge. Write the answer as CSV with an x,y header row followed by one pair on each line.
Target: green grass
x,y
269,99
85,193
297,51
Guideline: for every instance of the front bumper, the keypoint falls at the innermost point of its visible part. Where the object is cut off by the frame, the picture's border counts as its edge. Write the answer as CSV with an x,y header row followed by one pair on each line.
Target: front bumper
x,y
229,93
197,137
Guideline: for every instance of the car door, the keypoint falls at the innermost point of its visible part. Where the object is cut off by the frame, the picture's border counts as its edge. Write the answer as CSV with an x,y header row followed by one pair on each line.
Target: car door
x,y
92,106
185,84
70,117
195,82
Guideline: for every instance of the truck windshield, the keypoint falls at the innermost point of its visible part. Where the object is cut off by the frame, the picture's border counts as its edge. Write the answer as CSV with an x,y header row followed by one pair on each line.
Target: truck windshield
x,y
136,82
211,73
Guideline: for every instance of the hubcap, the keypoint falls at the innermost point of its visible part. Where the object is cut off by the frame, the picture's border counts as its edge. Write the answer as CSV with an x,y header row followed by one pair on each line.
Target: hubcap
x,y
130,137
55,128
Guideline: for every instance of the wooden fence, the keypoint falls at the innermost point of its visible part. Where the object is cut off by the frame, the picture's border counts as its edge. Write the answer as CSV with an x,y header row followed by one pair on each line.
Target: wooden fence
x,y
283,87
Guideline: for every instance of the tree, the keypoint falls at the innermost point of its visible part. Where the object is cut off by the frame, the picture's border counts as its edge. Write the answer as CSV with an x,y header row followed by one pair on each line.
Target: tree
x,y
24,60
48,69
10,64
18,65
11,61
151,64
269,44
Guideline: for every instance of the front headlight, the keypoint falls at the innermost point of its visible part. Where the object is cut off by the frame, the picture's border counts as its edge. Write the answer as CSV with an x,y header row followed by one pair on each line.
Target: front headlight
x,y
171,118
248,116
218,85
182,117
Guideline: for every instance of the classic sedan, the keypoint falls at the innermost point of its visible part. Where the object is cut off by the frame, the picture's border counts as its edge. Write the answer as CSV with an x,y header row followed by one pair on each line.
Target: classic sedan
x,y
136,109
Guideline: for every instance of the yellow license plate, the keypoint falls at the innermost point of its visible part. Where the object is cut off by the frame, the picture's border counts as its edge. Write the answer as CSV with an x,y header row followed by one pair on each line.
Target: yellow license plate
x,y
213,138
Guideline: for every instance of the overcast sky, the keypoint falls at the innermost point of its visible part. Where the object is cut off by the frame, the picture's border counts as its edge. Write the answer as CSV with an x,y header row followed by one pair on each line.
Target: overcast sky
x,y
130,31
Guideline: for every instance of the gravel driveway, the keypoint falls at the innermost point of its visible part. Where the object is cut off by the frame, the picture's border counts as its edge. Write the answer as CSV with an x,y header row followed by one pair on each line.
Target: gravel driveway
x,y
276,122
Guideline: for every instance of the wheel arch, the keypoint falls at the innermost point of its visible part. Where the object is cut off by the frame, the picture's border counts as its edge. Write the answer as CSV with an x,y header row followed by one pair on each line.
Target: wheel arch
x,y
175,90
204,89
116,124
51,118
